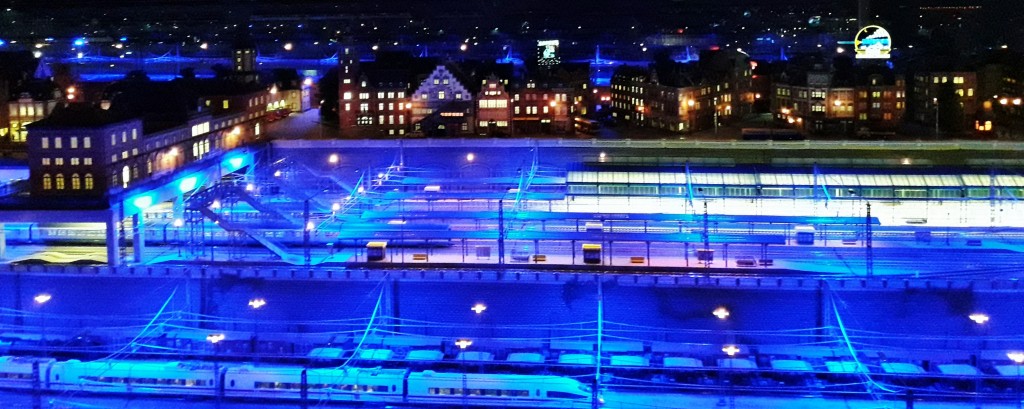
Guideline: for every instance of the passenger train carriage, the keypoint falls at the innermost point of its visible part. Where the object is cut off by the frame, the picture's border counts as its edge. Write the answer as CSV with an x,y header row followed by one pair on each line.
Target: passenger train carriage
x,y
373,385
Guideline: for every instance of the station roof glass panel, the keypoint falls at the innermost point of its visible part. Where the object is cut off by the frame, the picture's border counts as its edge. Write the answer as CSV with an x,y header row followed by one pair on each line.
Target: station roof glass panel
x,y
976,180
1010,180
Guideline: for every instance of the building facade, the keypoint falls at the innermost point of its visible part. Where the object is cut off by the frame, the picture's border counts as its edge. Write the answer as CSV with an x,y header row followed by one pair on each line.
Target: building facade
x,y
494,108
861,100
945,94
85,151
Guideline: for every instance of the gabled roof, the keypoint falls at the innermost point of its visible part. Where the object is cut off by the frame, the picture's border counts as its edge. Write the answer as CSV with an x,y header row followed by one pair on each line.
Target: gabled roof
x,y
77,115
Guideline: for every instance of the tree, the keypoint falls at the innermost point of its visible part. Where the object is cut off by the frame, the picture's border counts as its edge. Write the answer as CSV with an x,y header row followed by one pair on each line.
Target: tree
x,y
328,87
221,71
951,111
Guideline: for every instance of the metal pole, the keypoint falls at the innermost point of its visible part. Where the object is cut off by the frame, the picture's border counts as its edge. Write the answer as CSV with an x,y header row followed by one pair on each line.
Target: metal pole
x,y
501,232
707,242
716,115
305,230
594,398
870,257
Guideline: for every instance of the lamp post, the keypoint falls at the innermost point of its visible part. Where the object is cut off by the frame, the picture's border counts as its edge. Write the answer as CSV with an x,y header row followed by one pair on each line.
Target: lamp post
x,y
463,344
41,299
213,339
980,319
178,223
307,225
730,350
935,101
716,115
256,304
1018,359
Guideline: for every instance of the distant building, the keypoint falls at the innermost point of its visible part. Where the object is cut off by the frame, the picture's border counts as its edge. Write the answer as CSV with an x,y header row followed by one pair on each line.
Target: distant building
x,y
494,108
684,97
401,95
542,109
31,105
82,150
940,94
23,99
442,105
840,98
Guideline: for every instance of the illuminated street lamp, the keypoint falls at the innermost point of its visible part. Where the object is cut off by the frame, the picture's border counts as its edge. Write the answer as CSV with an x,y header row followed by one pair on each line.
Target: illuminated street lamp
x,y
215,338
463,344
41,299
1018,359
479,308
731,350
256,304
721,312
979,318
470,157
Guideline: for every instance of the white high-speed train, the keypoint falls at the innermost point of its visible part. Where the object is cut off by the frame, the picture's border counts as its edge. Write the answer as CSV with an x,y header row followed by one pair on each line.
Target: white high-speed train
x,y
293,383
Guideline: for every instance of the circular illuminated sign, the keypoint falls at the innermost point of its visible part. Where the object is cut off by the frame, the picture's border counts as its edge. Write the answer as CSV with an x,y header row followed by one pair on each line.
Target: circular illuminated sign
x,y
872,42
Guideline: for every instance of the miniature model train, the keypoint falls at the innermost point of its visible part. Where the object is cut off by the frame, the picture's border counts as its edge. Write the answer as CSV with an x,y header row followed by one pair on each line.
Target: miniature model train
x,y
275,382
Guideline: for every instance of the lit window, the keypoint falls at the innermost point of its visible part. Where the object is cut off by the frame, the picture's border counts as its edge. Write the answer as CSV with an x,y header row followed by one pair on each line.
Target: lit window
x,y
87,161
46,161
225,104
440,94
76,183
88,181
74,162
47,182
74,142
44,143
58,161
59,181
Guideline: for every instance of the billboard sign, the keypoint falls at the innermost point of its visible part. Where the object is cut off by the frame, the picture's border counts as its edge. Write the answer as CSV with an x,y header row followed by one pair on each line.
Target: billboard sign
x,y
547,52
872,42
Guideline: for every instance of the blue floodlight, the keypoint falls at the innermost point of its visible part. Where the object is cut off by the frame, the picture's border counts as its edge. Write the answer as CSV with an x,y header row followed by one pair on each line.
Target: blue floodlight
x,y
2,42
79,42
235,162
123,39
188,184
142,202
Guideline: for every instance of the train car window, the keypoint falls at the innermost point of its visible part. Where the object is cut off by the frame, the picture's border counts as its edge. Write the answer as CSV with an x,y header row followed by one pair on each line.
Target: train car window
x,y
394,388
56,377
564,395
232,383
